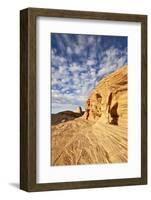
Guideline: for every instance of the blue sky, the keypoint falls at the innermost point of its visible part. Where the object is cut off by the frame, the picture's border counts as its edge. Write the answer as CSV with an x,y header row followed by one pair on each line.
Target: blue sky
x,y
78,62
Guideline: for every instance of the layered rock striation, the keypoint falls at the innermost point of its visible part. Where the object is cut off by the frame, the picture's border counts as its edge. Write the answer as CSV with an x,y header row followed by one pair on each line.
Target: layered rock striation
x,y
100,135
108,101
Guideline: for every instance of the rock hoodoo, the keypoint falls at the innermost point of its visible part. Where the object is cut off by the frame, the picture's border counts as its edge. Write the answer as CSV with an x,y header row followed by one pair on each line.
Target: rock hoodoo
x,y
79,110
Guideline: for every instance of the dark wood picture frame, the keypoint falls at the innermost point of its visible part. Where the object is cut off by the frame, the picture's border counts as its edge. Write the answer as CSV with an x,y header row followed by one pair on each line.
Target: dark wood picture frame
x,y
28,98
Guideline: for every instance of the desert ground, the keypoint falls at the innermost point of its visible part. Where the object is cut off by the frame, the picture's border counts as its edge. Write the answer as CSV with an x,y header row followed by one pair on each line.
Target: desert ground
x,y
97,135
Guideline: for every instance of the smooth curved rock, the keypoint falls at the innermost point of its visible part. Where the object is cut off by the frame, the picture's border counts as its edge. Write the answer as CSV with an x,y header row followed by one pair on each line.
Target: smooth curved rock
x,y
108,101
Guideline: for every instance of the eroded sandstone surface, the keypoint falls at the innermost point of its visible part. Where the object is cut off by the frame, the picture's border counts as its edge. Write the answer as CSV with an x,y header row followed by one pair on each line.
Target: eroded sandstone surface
x,y
100,134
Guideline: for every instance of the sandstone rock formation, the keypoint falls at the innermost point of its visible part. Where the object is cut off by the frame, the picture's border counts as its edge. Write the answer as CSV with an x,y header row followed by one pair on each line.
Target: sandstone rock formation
x,y
100,135
64,117
79,110
108,101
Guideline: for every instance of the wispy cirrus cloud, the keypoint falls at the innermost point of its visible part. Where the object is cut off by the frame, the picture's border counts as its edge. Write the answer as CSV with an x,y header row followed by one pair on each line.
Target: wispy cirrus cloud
x,y
78,62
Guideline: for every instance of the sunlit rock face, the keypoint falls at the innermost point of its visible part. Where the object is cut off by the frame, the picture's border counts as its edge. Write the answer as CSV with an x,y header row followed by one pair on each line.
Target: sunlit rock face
x,y
108,101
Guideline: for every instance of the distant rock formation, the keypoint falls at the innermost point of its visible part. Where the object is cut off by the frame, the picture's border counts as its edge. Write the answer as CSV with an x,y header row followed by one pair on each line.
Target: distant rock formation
x,y
64,116
108,101
79,110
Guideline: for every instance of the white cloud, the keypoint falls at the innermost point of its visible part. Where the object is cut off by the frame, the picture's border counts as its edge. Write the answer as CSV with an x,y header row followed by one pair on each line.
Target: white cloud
x,y
78,49
57,60
91,40
69,50
74,67
91,62
113,58
60,43
121,61
82,41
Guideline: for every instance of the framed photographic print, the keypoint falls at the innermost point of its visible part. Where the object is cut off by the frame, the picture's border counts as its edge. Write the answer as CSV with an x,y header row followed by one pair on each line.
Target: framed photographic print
x,y
83,99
